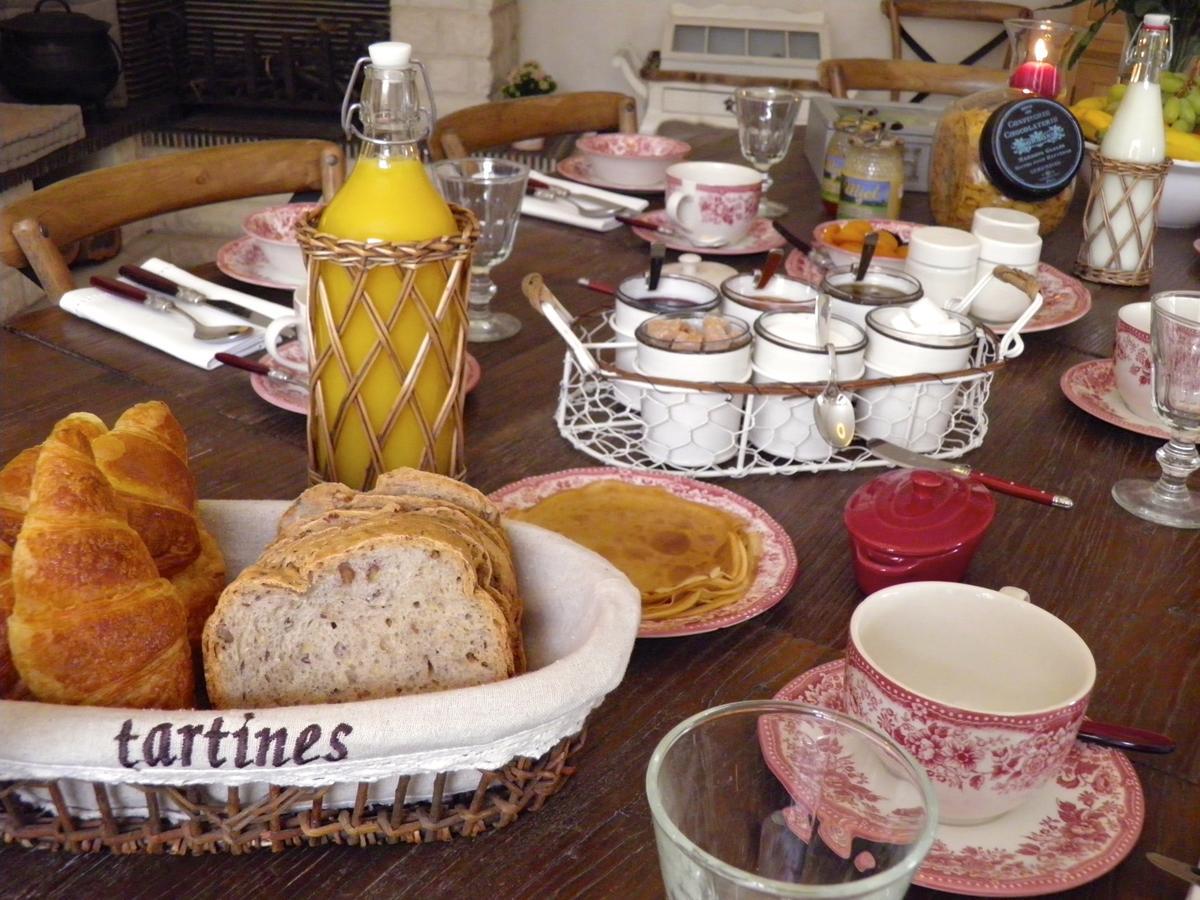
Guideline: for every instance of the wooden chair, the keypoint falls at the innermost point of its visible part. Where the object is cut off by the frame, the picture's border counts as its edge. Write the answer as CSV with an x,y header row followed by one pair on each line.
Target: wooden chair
x,y
841,75
498,124
35,229
955,10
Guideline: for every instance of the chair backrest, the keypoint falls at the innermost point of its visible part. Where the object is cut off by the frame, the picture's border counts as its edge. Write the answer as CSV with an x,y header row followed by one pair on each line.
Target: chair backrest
x,y
956,10
500,123
841,75
34,229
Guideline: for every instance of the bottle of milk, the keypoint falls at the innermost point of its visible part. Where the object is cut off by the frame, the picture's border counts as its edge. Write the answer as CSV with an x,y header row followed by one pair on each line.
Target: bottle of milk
x,y
1137,134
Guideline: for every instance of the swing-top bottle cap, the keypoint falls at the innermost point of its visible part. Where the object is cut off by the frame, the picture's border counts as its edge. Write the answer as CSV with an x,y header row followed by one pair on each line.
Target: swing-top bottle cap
x,y
390,54
1156,20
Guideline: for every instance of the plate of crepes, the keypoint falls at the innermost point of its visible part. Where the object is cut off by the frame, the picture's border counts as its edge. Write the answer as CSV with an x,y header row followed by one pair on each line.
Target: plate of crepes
x,y
703,557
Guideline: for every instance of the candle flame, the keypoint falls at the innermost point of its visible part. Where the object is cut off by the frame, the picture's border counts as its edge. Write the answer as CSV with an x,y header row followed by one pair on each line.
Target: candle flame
x,y
1039,50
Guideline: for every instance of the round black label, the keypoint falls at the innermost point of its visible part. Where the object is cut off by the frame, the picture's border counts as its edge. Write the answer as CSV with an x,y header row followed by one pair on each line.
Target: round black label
x,y
1031,148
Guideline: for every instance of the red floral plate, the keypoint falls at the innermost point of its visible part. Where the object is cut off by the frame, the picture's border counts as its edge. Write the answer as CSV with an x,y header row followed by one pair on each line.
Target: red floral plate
x,y
761,237
1079,827
777,557
1064,299
1092,386
294,397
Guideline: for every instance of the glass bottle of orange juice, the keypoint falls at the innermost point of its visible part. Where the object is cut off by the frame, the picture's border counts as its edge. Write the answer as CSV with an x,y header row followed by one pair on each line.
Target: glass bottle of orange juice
x,y
387,197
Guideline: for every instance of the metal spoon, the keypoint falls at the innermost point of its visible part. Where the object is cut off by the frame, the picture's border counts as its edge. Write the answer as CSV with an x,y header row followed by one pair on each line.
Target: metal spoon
x,y
833,412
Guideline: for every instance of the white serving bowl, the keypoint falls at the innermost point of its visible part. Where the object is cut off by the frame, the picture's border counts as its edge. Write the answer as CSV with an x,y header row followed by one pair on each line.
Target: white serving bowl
x,y
1180,204
274,231
632,160
842,257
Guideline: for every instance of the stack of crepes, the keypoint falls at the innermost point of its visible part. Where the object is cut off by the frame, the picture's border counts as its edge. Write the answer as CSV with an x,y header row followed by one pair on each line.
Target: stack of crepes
x,y
106,573
687,558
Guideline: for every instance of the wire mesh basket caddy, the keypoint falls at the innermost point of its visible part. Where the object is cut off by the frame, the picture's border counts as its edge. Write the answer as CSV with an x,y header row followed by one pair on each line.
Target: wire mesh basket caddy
x,y
620,417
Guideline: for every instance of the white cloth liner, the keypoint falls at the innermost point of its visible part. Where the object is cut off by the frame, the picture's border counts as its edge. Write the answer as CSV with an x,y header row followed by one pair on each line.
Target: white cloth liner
x,y
562,211
167,331
581,618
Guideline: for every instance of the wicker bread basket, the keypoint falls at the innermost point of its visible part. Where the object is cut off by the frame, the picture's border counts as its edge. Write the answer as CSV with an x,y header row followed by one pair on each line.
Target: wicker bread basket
x,y
413,769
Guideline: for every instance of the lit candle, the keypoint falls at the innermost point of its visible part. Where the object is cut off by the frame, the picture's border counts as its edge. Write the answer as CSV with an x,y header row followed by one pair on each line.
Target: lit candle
x,y
1036,74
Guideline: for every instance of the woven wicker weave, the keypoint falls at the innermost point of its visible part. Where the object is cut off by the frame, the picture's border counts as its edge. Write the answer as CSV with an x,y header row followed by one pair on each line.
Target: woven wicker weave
x,y
1130,174
327,420
184,820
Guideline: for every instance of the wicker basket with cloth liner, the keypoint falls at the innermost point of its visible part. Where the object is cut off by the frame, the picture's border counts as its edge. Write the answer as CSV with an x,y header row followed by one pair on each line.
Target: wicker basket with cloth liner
x,y
415,768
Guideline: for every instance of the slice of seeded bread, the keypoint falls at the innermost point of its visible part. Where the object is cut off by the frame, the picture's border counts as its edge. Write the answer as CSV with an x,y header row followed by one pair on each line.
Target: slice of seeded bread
x,y
426,484
354,613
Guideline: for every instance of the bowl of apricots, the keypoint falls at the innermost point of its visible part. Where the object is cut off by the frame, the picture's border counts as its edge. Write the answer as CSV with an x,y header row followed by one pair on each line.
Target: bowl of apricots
x,y
842,240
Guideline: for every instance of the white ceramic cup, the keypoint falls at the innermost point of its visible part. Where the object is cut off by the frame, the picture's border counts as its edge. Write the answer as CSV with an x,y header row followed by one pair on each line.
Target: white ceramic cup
x,y
689,428
915,416
984,689
713,201
1131,360
274,336
999,302
786,351
999,221
740,298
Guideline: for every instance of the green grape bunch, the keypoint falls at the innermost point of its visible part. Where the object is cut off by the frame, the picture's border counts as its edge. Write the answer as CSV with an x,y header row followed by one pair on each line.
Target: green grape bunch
x,y
1181,101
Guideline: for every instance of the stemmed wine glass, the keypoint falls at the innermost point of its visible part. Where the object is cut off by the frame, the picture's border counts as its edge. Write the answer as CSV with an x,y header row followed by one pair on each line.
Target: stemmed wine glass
x,y
1175,361
492,189
766,118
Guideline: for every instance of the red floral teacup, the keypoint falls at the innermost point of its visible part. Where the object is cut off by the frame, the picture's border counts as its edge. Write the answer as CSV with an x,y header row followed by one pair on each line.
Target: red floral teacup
x,y
1131,360
984,689
714,202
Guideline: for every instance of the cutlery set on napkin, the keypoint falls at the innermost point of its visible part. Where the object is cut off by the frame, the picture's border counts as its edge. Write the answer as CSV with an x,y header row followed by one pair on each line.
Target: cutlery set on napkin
x,y
575,198
154,303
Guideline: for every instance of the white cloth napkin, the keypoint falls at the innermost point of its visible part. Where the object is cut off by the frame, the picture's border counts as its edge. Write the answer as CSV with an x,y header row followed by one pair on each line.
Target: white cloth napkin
x,y
167,331
581,618
562,211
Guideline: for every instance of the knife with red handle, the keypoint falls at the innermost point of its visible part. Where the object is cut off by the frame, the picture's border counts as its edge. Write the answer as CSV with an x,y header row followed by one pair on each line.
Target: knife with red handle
x,y
163,285
250,365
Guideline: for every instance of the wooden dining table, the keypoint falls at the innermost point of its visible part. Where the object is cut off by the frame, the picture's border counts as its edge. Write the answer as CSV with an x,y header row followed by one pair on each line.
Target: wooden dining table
x,y
1131,589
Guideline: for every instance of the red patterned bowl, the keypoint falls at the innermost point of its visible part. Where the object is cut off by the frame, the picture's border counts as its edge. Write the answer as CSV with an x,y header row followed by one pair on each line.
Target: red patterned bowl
x,y
274,230
633,160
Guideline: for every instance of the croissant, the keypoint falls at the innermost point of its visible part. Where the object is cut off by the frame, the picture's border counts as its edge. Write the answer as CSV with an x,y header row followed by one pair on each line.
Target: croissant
x,y
144,458
201,583
8,672
15,479
92,621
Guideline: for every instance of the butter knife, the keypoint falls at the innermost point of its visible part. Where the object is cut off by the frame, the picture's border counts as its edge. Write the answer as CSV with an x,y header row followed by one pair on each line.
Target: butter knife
x,y
250,365
163,285
907,458
1190,874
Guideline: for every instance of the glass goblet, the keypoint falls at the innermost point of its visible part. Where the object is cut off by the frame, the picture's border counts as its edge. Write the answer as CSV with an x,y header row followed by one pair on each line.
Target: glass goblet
x,y
492,189
766,118
1175,362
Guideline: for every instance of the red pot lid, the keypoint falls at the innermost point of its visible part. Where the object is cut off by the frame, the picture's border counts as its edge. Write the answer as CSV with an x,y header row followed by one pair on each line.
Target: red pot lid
x,y
915,512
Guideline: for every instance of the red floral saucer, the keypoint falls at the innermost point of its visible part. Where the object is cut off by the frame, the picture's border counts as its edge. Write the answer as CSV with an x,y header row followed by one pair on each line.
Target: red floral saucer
x,y
777,556
761,237
294,397
1077,828
1092,386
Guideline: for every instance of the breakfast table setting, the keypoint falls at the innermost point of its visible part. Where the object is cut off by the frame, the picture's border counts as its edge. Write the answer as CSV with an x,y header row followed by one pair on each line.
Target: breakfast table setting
x,y
920,644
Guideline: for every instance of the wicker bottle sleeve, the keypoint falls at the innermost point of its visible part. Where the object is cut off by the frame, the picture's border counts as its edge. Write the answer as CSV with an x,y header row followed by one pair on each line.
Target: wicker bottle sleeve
x,y
442,348
1130,175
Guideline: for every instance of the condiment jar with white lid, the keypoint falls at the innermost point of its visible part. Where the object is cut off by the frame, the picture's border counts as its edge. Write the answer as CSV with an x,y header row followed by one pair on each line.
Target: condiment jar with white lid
x,y
921,338
740,297
687,427
944,260
851,298
999,302
999,221
691,265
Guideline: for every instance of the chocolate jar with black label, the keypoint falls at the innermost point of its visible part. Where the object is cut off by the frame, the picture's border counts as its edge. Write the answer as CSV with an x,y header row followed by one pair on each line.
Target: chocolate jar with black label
x,y
1016,147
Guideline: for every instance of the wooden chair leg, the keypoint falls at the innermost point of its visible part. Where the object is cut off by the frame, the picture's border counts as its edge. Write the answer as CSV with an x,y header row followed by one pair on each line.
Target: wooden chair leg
x,y
333,172
44,258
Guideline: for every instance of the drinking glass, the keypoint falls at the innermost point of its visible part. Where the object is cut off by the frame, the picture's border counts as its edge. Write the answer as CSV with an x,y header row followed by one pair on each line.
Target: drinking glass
x,y
492,189
766,118
1175,364
775,799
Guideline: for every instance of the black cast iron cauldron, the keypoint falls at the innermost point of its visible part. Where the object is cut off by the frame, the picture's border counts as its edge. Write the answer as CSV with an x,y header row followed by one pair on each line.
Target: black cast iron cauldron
x,y
57,57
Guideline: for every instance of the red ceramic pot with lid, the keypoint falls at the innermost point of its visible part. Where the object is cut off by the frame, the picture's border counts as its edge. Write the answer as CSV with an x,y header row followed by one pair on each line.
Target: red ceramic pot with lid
x,y
916,525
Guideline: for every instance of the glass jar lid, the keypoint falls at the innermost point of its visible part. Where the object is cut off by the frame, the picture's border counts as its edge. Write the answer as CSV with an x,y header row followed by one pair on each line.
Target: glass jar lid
x,y
916,512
